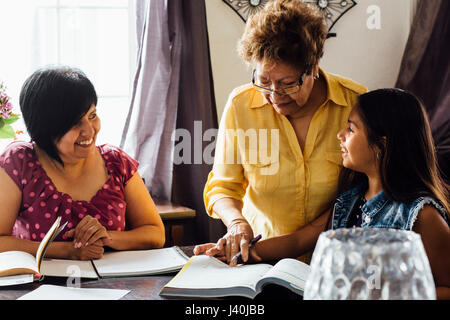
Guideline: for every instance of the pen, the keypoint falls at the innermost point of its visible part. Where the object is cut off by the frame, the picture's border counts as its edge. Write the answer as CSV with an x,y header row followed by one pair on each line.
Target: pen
x,y
252,242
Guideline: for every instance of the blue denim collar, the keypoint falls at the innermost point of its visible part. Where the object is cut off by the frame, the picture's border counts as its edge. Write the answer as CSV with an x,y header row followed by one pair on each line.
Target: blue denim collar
x,y
372,206
348,199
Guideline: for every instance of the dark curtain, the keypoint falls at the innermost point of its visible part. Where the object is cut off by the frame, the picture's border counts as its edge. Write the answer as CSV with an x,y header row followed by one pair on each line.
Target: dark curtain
x,y
196,108
425,71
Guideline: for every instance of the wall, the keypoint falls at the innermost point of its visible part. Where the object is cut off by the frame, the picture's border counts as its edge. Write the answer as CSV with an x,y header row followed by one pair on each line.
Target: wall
x,y
371,57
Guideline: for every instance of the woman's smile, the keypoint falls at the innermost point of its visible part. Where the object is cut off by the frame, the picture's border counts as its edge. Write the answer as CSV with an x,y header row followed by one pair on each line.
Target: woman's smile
x,y
85,143
344,151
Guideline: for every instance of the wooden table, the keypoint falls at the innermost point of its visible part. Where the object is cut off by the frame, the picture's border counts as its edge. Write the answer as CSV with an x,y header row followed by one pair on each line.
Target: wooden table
x,y
175,218
142,287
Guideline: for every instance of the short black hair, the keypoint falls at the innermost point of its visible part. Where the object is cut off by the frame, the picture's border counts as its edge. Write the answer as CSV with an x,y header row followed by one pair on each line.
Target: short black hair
x,y
53,100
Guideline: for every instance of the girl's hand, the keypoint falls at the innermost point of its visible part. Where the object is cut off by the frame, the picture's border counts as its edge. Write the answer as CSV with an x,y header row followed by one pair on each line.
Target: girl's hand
x,y
87,232
253,256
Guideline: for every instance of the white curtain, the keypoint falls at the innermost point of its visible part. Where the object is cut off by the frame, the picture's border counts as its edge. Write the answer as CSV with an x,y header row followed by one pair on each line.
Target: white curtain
x,y
151,120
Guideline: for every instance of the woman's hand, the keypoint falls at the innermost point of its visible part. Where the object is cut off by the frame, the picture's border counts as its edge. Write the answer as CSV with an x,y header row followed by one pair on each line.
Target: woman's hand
x,y
236,239
89,231
217,250
211,249
91,252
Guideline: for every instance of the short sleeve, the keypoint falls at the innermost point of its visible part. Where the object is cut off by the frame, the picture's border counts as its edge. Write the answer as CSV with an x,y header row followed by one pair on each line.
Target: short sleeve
x,y
121,165
418,206
128,164
13,161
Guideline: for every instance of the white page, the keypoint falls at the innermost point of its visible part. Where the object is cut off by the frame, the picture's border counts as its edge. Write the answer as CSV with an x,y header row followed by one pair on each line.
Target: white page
x,y
139,261
51,292
17,260
203,272
68,268
291,270
17,279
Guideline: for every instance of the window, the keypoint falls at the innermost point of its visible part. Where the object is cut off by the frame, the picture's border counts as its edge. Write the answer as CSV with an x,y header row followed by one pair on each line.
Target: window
x,y
96,36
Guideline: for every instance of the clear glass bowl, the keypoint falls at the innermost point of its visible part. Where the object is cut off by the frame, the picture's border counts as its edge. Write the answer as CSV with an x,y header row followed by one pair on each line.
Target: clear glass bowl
x,y
370,264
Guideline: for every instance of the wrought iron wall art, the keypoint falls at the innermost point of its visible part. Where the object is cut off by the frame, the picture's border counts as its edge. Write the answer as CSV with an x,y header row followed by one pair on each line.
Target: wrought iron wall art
x,y
332,10
246,8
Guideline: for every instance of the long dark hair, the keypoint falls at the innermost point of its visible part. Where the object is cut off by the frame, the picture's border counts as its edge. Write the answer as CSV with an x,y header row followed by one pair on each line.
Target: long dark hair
x,y
396,122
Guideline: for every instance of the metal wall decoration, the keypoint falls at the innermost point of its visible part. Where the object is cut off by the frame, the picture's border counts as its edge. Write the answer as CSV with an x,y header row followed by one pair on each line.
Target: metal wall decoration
x,y
246,8
332,10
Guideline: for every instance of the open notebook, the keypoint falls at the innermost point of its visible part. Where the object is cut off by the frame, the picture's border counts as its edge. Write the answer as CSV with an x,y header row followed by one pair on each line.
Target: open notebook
x,y
206,277
119,264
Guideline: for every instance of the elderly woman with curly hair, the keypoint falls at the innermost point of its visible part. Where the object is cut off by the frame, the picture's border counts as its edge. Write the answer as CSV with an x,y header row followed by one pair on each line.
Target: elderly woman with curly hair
x,y
277,157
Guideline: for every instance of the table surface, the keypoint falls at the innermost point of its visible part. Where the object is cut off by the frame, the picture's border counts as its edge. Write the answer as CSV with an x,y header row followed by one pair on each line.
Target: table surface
x,y
142,287
170,211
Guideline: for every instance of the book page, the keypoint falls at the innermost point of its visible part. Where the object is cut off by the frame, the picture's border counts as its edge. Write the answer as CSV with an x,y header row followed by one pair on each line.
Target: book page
x,y
140,262
68,268
291,271
17,262
51,234
51,292
205,272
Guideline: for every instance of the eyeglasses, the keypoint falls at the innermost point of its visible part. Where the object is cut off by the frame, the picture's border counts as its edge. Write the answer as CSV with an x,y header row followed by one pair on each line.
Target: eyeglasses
x,y
281,91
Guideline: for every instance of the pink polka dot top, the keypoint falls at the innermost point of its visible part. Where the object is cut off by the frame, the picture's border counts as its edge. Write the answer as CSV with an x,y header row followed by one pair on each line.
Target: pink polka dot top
x,y
42,203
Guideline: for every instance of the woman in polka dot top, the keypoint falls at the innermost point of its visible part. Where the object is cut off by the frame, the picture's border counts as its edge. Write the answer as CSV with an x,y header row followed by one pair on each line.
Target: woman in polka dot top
x,y
61,172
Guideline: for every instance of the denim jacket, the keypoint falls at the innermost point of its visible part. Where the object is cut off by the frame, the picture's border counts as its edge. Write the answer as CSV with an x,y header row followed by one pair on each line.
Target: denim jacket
x,y
380,212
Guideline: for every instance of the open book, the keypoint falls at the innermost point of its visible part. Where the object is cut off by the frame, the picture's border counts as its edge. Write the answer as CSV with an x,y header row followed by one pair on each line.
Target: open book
x,y
14,263
206,277
119,264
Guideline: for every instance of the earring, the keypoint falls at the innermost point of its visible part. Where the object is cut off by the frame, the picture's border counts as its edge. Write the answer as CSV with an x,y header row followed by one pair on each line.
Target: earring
x,y
378,156
316,76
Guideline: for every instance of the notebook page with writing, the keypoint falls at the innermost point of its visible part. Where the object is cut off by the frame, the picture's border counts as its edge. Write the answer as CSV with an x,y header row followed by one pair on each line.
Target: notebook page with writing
x,y
140,262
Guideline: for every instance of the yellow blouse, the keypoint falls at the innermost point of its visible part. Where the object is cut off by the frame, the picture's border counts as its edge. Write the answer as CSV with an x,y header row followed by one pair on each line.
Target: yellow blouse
x,y
259,161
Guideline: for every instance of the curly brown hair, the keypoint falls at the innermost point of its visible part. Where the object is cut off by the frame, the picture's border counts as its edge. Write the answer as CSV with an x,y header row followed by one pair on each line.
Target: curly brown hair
x,y
285,31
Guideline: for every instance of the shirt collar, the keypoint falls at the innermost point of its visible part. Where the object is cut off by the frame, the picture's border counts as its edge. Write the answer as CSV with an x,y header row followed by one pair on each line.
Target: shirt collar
x,y
334,93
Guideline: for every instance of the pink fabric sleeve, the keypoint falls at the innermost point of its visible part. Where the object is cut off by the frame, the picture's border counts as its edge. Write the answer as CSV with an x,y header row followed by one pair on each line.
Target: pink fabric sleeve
x,y
13,161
